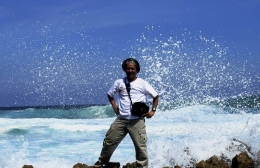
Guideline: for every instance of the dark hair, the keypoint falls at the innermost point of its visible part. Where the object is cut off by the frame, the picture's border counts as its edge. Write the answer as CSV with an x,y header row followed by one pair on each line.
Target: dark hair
x,y
131,60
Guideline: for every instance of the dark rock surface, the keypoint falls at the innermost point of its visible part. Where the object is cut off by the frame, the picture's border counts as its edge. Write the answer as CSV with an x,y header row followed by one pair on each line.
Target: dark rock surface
x,y
27,166
243,160
214,162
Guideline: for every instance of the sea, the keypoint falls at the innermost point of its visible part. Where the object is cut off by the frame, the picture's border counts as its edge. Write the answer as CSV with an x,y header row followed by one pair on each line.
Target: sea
x,y
177,135
209,105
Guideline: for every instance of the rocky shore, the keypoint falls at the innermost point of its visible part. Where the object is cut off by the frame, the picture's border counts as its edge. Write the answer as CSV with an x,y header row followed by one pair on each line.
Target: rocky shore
x,y
239,161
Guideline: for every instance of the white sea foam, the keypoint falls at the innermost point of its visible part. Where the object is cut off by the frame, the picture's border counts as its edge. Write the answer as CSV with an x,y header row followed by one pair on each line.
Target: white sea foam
x,y
181,136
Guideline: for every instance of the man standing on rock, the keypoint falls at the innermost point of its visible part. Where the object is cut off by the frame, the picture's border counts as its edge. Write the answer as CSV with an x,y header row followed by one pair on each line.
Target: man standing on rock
x,y
130,90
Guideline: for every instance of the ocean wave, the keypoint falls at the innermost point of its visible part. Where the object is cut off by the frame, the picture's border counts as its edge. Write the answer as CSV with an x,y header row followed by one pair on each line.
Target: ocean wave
x,y
235,105
251,101
91,112
238,104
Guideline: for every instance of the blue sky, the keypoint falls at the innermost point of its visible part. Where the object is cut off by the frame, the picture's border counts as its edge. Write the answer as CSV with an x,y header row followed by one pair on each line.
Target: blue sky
x,y
69,52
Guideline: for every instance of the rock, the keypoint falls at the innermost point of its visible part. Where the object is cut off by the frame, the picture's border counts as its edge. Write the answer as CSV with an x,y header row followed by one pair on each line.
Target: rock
x,y
242,161
216,162
239,161
27,166
135,165
213,162
132,165
80,165
203,164
258,160
109,165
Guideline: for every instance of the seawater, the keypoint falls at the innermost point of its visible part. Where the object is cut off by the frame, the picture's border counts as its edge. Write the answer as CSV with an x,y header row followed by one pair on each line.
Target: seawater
x,y
209,103
176,136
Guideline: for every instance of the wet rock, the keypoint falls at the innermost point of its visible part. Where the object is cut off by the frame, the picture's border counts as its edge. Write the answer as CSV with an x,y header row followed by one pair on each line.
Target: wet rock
x,y
81,165
203,164
135,165
213,162
109,165
27,166
242,161
132,165
257,162
239,161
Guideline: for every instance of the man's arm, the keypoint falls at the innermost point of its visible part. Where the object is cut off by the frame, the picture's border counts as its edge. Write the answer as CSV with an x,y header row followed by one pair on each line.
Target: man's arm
x,y
155,102
113,103
152,112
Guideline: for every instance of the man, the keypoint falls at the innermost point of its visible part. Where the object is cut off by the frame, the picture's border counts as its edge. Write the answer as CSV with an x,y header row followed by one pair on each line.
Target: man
x,y
126,122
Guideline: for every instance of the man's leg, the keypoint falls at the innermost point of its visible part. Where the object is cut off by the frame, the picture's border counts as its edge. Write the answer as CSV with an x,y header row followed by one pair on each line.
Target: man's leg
x,y
137,132
114,136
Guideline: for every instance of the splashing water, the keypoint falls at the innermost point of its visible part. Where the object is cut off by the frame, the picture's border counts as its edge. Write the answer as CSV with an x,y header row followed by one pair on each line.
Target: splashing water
x,y
71,68
193,69
186,68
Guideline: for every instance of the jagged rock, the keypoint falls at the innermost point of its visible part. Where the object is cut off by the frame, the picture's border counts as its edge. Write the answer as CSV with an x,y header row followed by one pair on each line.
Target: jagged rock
x,y
27,166
135,165
132,165
239,161
81,165
242,161
212,162
109,165
258,160
216,162
203,164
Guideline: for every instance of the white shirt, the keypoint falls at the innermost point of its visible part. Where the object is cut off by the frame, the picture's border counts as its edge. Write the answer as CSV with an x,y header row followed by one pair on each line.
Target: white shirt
x,y
139,90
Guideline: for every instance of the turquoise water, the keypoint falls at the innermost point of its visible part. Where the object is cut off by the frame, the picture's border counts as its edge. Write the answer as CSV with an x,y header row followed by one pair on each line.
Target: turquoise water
x,y
64,137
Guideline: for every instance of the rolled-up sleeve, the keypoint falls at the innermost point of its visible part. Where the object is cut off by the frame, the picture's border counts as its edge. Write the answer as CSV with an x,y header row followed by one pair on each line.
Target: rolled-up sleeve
x,y
150,90
113,90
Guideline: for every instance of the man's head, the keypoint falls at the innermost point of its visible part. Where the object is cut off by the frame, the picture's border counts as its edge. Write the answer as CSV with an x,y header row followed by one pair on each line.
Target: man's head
x,y
131,61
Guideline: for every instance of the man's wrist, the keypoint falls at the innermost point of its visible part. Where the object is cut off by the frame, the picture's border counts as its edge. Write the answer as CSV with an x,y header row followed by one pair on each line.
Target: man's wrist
x,y
153,109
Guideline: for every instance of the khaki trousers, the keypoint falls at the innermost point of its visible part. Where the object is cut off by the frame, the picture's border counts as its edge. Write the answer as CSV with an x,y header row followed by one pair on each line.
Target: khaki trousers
x,y
117,131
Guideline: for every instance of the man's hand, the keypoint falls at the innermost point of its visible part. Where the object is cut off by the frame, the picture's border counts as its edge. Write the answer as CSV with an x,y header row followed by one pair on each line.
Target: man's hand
x,y
149,114
116,111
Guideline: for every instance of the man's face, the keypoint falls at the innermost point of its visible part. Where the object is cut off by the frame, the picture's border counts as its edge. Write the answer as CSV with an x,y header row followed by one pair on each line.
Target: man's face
x,y
131,71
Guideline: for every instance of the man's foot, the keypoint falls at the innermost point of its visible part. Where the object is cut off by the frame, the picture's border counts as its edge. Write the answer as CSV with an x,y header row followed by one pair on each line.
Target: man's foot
x,y
98,164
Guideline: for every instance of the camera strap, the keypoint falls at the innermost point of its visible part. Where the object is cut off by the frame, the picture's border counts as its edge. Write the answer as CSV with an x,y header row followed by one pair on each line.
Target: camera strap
x,y
128,88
